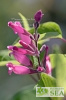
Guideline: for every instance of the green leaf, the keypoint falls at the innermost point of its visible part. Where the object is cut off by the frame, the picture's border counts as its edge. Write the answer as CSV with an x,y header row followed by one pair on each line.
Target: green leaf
x,y
59,62
40,83
48,81
4,55
48,27
17,44
3,63
25,22
47,36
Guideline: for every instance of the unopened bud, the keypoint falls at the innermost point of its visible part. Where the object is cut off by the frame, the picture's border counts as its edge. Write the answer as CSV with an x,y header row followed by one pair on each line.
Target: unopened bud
x,y
38,16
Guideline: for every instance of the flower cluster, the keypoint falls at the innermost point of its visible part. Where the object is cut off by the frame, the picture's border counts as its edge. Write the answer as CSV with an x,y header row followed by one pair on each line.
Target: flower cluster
x,y
29,48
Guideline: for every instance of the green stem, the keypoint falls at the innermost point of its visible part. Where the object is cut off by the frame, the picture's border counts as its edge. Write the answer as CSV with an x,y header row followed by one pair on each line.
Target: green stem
x,y
37,56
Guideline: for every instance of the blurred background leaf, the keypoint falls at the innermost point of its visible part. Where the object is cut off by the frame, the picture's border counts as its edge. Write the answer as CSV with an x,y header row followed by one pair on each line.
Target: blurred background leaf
x,y
53,59
28,93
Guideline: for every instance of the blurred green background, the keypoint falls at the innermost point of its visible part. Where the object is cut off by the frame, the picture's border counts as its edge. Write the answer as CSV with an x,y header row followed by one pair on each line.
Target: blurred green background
x,y
54,10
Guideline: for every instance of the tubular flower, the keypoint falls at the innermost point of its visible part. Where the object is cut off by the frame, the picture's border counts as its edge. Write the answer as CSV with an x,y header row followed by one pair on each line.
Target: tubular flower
x,y
19,69
25,41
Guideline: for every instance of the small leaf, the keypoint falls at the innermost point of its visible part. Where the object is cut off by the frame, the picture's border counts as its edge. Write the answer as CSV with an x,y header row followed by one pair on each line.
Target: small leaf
x,y
25,22
4,55
17,44
47,36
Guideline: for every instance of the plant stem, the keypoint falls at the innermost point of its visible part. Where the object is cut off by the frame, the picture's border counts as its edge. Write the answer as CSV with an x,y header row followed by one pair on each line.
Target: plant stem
x,y
37,46
37,56
34,79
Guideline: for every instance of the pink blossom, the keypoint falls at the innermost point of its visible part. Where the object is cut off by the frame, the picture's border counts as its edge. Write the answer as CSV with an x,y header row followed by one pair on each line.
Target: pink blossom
x,y
19,69
48,65
41,69
22,33
24,36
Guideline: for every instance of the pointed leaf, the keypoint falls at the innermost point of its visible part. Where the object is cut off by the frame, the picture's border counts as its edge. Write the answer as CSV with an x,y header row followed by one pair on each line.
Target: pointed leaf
x,y
48,81
25,22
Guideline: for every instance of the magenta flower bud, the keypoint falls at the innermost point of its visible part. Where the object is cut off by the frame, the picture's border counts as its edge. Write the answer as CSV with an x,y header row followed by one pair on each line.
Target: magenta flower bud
x,y
48,66
40,69
38,16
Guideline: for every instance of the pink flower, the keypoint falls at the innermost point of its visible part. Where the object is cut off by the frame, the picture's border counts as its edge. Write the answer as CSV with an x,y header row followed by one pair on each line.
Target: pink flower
x,y
19,69
25,37
22,33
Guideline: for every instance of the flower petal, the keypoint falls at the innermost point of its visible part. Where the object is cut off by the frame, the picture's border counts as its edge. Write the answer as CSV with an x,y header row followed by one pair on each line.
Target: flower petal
x,y
12,48
18,29
23,59
18,69
19,55
40,69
